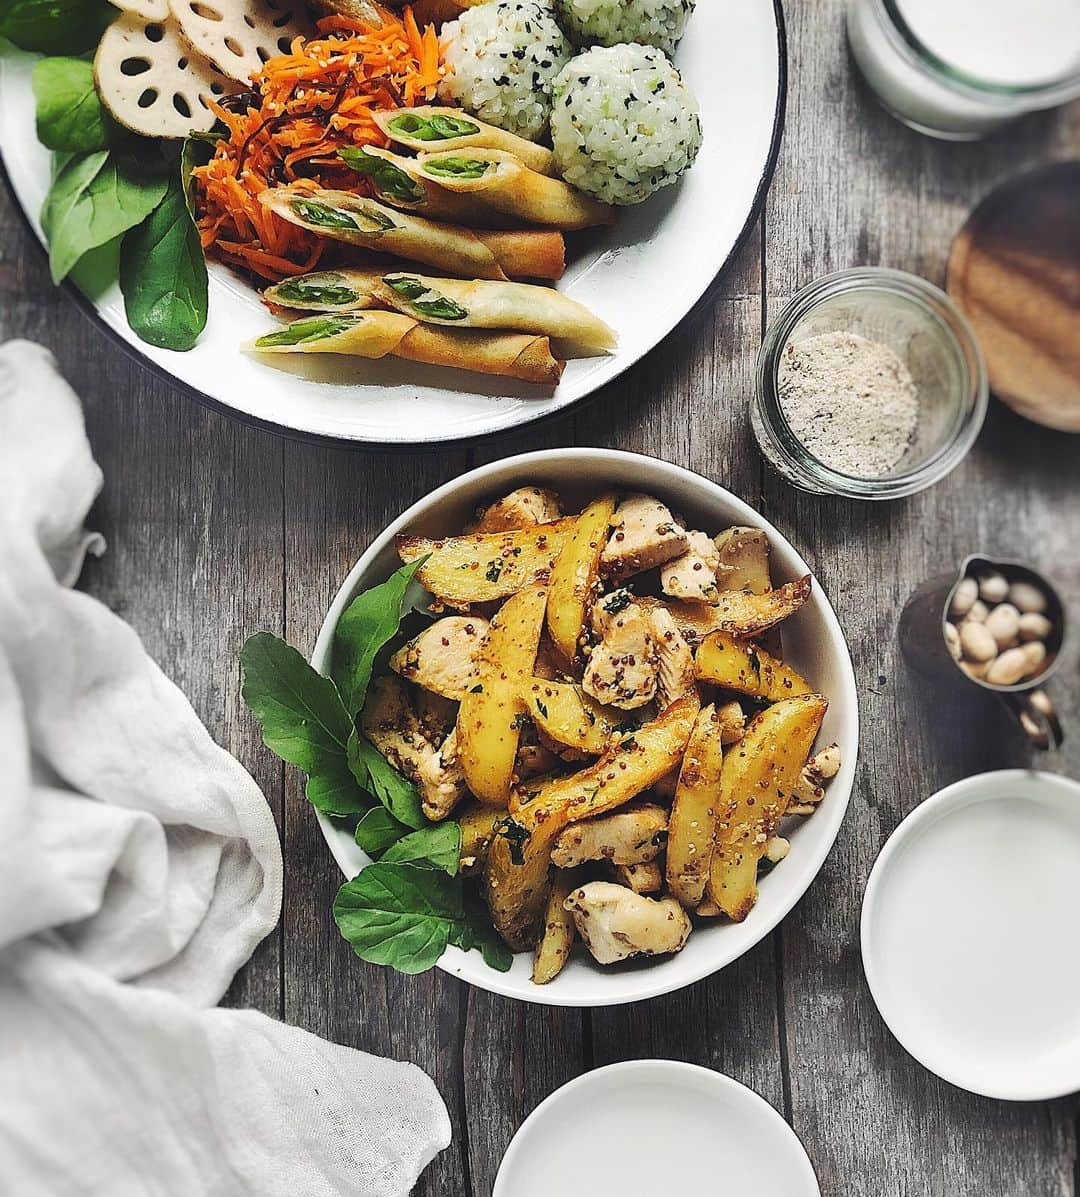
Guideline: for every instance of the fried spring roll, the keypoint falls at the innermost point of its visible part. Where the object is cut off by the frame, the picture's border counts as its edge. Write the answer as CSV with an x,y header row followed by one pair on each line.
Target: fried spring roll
x,y
502,183
455,303
357,220
429,128
382,334
527,253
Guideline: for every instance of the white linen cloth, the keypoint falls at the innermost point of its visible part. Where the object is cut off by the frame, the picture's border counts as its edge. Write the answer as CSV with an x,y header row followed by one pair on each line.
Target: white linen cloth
x,y
139,867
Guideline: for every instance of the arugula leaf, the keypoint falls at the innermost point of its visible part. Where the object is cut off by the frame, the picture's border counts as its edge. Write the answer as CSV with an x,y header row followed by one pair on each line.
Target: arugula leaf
x,y
303,722
399,914
69,114
366,625
373,771
94,198
377,830
163,275
435,847
55,26
476,931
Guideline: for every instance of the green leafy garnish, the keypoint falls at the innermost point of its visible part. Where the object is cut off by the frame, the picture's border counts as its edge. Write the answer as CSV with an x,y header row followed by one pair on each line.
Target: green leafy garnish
x,y
372,771
303,332
326,288
94,198
366,626
303,721
457,168
424,299
70,116
477,932
377,830
436,847
55,26
389,179
431,128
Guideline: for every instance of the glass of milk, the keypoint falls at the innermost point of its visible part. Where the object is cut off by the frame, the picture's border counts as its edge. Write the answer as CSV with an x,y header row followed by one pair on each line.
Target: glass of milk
x,y
959,69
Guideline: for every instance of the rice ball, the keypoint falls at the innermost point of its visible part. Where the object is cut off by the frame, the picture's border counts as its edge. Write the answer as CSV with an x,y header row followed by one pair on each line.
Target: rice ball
x,y
623,124
653,22
501,61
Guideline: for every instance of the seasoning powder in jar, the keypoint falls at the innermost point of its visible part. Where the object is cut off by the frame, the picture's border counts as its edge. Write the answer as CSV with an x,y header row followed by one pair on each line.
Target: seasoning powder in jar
x,y
851,402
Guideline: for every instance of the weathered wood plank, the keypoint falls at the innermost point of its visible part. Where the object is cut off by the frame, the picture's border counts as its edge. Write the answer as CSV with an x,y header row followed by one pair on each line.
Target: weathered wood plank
x,y
873,1120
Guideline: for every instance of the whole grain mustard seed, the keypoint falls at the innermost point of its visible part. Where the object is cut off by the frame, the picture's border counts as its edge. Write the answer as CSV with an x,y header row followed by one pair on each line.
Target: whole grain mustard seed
x,y
851,402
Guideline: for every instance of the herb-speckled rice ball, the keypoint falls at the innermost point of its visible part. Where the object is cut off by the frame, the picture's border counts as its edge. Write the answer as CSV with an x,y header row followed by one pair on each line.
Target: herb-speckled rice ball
x,y
501,61
623,124
652,22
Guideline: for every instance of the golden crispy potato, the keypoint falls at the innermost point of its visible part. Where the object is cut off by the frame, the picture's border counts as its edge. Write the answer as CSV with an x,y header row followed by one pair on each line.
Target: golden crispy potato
x,y
555,943
695,811
744,560
490,716
745,668
486,566
519,858
567,715
574,576
757,781
477,823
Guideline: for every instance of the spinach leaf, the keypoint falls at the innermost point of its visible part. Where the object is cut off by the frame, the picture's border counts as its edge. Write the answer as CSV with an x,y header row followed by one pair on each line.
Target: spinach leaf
x,y
163,275
400,915
197,150
434,847
69,114
365,627
55,26
377,830
303,722
375,773
94,198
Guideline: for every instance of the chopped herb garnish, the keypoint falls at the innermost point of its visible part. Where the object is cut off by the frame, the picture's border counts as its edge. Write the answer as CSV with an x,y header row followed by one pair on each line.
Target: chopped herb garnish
x,y
477,689
541,708
516,836
494,569
616,602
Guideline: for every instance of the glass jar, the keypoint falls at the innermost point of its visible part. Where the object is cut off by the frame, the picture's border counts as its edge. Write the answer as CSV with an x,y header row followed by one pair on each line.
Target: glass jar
x,y
938,97
923,327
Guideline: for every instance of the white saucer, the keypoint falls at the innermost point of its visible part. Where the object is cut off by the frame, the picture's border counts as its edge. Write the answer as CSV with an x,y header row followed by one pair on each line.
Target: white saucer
x,y
655,1126
969,934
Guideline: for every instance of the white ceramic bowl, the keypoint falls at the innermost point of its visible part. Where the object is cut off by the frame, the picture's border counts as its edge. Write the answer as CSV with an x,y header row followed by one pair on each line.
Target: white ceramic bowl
x,y
699,1126
969,934
813,643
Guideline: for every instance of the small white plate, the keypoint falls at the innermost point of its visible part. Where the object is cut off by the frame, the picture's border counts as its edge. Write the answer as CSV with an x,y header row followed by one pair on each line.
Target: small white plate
x,y
655,1126
969,936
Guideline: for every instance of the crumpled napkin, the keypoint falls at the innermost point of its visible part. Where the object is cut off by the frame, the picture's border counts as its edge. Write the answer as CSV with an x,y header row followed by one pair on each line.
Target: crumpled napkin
x,y
139,868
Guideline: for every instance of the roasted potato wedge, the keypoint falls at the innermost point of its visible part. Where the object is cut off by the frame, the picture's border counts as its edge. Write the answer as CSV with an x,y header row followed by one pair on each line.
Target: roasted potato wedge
x,y
736,611
695,811
489,718
519,858
477,823
567,715
757,781
574,576
744,560
486,566
742,666
553,949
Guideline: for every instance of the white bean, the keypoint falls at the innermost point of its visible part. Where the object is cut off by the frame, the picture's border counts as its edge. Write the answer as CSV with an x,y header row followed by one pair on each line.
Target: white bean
x,y
1009,668
966,592
978,613
952,641
993,587
1003,623
976,641
1034,626
1027,598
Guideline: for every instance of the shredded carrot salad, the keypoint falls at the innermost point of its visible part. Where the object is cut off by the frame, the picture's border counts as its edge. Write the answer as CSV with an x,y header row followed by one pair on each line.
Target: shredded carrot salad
x,y
308,104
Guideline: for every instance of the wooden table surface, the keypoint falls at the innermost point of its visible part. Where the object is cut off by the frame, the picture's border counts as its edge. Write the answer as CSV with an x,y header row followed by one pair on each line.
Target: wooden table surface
x,y
216,531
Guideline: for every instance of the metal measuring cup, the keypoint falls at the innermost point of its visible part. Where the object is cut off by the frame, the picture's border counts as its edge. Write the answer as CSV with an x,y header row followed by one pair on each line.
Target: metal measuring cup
x,y
922,640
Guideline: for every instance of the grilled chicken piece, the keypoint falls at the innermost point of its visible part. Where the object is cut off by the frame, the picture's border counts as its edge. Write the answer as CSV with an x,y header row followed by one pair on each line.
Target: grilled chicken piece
x,y
393,726
534,760
605,608
520,509
641,878
437,715
693,575
675,661
731,719
645,534
615,923
443,657
632,836
817,773
622,668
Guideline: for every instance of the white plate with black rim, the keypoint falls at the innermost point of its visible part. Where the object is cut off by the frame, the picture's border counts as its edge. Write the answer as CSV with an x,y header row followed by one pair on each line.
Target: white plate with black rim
x,y
642,277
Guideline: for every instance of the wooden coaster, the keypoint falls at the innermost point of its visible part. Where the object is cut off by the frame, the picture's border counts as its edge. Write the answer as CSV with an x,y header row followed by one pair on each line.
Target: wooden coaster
x,y
1014,271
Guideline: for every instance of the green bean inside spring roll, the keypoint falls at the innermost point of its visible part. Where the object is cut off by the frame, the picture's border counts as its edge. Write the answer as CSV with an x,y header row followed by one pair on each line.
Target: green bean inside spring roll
x,y
504,184
429,128
327,291
382,334
357,220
